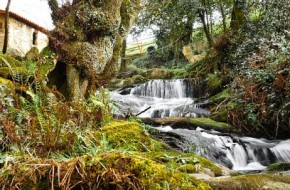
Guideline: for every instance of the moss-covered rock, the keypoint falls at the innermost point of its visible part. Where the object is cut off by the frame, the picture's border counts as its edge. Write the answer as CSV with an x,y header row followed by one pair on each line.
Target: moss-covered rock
x,y
251,182
32,54
280,166
214,81
180,73
185,162
158,73
138,79
9,86
130,136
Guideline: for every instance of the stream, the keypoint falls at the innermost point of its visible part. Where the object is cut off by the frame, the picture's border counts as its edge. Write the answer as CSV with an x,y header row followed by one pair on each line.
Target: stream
x,y
171,98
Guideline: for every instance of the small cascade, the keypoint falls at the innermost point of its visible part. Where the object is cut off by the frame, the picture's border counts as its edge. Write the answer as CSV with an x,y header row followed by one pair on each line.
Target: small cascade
x,y
166,98
237,153
166,89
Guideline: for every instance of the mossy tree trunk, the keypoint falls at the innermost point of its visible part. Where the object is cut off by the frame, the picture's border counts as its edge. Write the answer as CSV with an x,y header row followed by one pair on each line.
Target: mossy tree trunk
x,y
88,38
123,57
239,16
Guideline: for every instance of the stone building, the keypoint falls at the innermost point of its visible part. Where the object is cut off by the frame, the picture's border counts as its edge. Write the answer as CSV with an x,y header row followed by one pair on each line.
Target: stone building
x,y
23,34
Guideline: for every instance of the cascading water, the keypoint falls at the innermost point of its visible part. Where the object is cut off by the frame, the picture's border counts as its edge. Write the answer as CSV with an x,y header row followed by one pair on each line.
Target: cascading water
x,y
170,98
165,89
238,153
166,98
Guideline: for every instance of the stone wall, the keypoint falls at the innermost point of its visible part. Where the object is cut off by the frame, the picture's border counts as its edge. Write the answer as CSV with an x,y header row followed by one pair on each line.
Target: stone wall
x,y
21,37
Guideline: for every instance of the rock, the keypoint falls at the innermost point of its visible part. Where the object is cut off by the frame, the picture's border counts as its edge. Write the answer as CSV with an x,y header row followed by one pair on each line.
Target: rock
x,y
201,176
32,54
190,123
158,73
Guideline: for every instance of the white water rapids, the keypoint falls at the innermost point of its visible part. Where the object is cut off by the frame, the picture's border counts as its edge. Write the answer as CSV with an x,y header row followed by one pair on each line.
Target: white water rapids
x,y
170,98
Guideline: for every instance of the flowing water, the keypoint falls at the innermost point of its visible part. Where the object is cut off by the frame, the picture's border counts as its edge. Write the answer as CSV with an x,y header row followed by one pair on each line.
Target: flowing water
x,y
169,98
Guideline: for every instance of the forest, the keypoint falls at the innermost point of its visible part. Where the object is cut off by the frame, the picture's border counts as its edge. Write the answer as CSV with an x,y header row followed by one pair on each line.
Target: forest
x,y
204,104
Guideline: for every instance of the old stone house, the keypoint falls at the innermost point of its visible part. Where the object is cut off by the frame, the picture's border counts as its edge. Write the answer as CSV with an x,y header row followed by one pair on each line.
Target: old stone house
x,y
23,34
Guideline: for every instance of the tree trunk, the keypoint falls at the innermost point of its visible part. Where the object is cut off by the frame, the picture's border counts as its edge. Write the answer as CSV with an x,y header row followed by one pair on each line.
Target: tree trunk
x,y
88,41
239,17
206,29
6,34
223,15
123,56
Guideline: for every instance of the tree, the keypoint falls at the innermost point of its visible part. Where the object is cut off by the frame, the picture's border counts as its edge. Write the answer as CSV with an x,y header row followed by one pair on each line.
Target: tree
x,y
239,16
88,38
171,22
6,34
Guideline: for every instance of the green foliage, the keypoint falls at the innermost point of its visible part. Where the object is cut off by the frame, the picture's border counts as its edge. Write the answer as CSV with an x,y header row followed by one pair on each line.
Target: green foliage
x,y
252,64
281,166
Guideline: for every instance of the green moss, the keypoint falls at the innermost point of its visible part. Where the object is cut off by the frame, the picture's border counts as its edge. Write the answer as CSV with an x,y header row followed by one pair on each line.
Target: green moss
x,y
220,96
32,54
208,123
281,166
180,73
187,168
158,73
4,59
205,163
251,182
138,79
130,136
214,81
185,162
10,88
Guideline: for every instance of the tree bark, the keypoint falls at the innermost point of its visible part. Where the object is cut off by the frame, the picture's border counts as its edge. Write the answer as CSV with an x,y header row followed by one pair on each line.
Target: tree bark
x,y
6,34
239,16
206,29
223,15
123,56
88,38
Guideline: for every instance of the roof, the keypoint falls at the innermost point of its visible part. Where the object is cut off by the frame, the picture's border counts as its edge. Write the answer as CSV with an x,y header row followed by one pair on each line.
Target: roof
x,y
26,21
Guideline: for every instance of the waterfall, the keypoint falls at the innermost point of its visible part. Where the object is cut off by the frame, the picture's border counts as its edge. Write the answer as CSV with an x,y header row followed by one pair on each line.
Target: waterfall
x,y
165,89
166,98
171,98
237,153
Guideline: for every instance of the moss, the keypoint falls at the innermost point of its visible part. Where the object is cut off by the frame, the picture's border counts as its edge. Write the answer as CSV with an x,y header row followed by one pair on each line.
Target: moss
x,y
214,81
127,82
185,162
180,73
205,163
281,166
130,136
220,96
10,60
187,168
7,72
138,79
158,73
32,54
113,170
10,86
208,123
251,182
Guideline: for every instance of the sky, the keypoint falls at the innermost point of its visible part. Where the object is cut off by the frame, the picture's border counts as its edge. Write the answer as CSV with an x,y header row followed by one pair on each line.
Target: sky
x,y
38,12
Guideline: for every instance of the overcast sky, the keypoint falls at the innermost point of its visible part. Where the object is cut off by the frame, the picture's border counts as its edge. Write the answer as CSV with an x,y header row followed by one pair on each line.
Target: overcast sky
x,y
38,12
35,10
